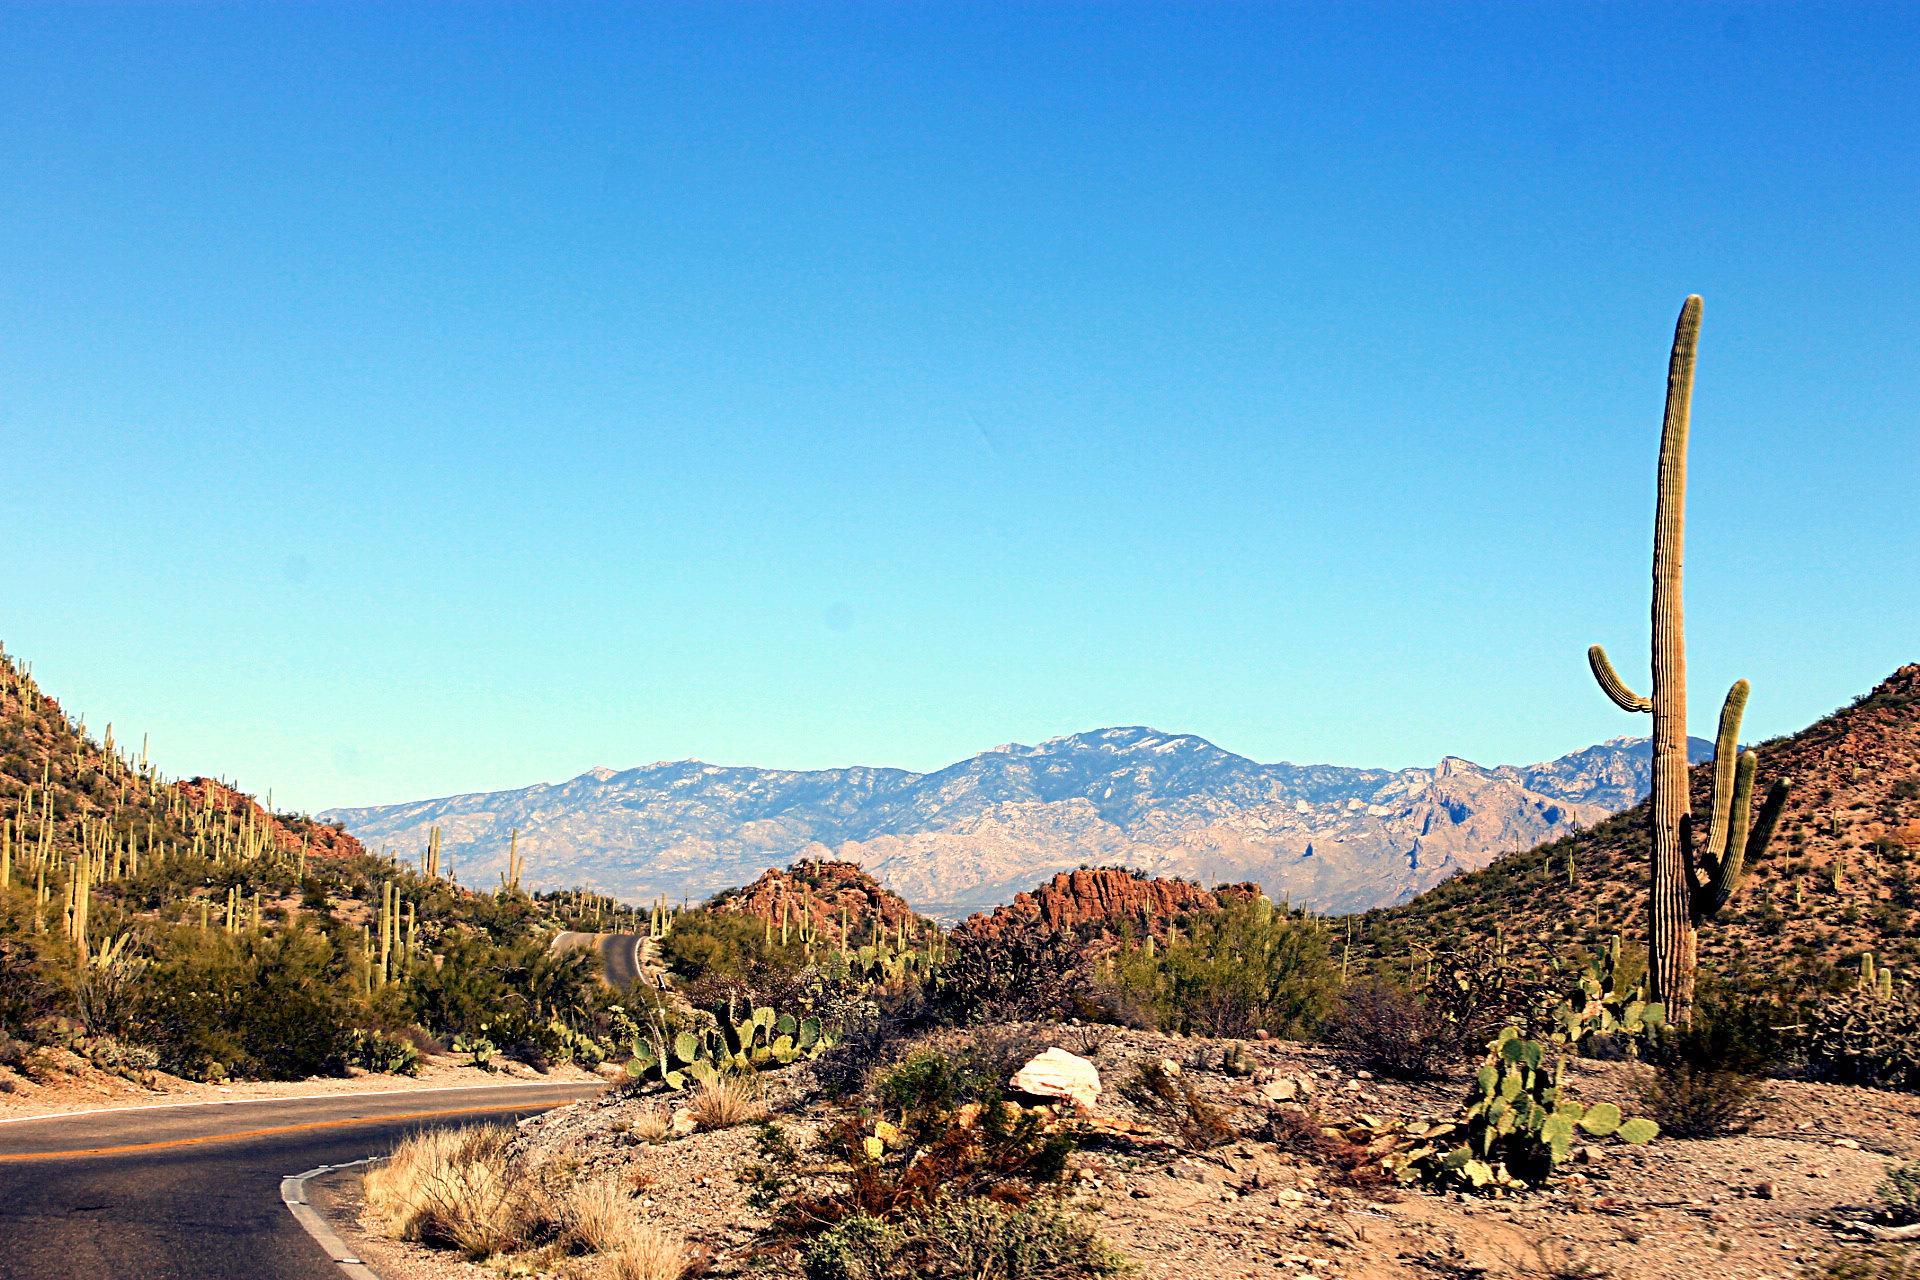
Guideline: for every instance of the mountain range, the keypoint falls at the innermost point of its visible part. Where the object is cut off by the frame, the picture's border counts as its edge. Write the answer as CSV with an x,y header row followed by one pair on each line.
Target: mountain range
x,y
969,836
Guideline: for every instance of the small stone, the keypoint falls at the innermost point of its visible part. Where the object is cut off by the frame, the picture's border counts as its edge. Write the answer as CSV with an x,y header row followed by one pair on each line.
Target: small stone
x,y
1282,1090
1263,1035
1169,1066
1849,1143
1763,1191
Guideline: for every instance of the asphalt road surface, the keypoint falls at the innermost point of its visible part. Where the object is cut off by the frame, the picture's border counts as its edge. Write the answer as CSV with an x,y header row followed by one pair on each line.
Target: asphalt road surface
x,y
619,953
193,1192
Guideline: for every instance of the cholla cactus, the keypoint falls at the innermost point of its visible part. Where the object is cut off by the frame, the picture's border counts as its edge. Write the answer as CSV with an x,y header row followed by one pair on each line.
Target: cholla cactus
x,y
1690,883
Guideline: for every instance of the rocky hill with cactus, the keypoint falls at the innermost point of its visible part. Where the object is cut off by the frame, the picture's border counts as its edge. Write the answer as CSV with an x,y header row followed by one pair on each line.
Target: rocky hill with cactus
x,y
1838,881
819,890
153,927
969,837
1102,903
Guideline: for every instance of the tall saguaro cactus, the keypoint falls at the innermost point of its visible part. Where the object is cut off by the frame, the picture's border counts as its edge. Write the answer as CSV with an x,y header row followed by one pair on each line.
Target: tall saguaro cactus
x,y
1690,884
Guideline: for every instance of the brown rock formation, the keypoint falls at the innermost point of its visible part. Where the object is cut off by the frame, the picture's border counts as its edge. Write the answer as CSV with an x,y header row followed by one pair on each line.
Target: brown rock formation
x,y
1101,902
825,889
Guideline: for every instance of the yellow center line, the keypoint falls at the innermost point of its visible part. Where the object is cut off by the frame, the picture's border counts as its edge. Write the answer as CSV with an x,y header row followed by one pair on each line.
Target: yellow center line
x,y
242,1134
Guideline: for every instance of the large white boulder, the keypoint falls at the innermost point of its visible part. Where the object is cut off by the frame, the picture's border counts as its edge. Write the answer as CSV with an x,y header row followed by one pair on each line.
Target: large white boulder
x,y
1059,1074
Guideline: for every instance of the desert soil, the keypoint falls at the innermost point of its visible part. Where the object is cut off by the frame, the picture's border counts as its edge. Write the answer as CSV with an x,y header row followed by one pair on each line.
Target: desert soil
x,y
1759,1206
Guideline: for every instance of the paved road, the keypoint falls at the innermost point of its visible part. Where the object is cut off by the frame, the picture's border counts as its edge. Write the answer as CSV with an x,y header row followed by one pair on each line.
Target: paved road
x,y
193,1192
620,953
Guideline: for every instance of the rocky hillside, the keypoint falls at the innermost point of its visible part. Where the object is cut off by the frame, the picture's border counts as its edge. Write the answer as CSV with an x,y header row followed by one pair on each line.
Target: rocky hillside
x,y
1102,902
62,789
822,891
1839,878
970,836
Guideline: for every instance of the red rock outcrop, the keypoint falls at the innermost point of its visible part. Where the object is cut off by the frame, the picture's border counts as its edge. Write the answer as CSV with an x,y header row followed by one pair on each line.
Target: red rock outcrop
x,y
1092,903
826,890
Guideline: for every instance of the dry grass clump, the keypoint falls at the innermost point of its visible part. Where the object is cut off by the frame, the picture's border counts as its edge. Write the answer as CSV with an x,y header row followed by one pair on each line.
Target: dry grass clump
x,y
451,1187
457,1188
726,1101
650,1124
600,1220
649,1253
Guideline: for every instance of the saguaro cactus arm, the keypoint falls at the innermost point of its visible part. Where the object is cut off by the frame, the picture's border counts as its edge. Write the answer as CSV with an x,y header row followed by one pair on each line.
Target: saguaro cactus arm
x,y
1727,762
1613,686
1744,846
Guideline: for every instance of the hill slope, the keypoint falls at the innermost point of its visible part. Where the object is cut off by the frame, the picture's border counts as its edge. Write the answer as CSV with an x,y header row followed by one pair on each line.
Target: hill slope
x,y
1838,880
970,836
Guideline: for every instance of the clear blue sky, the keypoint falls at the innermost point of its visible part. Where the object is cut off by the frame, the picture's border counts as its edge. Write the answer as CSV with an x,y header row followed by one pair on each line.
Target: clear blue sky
x,y
399,401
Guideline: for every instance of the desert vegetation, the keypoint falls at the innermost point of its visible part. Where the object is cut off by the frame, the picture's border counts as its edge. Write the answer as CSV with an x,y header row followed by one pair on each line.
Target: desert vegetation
x,y
155,926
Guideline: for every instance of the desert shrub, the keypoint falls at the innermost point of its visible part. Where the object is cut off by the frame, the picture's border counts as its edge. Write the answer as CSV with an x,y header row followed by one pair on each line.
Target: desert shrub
x,y
1246,967
374,1050
1704,1077
873,1167
1394,1031
726,949
1157,1091
1900,1194
1015,977
1352,1164
1690,1098
507,993
965,1240
868,1024
27,992
1864,1036
255,1004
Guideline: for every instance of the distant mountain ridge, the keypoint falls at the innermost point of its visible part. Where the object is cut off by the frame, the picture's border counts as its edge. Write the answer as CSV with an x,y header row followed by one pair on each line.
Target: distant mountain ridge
x,y
971,835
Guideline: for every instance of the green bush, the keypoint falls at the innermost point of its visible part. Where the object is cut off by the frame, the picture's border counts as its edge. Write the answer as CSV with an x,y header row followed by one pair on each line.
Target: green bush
x,y
1704,1081
268,1005
965,1240
388,1055
1245,967
726,947
1900,1194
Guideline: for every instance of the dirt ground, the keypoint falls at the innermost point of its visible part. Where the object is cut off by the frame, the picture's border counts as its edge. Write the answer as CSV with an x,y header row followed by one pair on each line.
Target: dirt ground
x,y
1759,1206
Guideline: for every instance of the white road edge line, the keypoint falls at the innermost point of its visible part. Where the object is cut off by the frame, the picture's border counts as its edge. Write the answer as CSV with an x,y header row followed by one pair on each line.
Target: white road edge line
x,y
293,1193
300,1097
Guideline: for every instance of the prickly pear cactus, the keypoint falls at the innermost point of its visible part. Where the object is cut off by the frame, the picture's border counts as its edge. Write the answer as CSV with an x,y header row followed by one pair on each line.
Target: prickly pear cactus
x,y
1598,1004
1515,1128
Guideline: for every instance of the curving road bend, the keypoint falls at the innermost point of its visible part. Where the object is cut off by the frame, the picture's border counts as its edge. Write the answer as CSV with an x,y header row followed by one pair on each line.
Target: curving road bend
x,y
622,955
192,1192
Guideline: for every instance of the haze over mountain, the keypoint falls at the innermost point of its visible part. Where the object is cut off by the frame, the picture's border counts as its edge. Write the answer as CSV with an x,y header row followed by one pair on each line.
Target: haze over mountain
x,y
969,836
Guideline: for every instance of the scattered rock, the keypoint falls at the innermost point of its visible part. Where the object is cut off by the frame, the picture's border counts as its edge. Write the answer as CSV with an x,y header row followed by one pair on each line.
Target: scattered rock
x,y
1059,1074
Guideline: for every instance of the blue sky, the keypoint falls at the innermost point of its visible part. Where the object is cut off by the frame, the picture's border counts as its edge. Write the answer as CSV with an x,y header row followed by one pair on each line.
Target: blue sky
x,y
400,401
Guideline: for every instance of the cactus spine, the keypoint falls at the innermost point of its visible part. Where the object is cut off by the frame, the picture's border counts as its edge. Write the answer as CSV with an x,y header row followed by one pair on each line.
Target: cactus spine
x,y
1689,885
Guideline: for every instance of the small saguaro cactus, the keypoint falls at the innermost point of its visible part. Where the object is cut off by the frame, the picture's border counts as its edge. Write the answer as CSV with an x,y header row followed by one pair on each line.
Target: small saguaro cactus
x,y
1690,884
